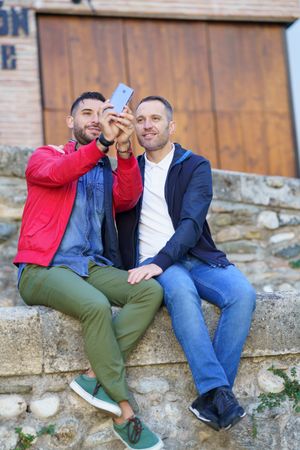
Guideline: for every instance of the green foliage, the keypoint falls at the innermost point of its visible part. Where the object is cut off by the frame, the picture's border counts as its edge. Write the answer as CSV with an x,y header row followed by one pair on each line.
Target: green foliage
x,y
25,440
295,264
291,391
254,426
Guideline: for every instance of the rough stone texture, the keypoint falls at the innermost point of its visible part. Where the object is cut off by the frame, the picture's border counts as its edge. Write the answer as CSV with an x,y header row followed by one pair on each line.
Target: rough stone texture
x,y
268,382
45,407
11,406
13,161
158,346
158,377
20,337
164,393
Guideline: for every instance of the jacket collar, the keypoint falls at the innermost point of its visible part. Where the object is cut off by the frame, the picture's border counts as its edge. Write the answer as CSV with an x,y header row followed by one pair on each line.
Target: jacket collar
x,y
180,154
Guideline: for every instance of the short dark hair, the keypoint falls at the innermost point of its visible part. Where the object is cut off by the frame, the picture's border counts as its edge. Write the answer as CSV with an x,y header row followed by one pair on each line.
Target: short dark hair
x,y
84,96
163,100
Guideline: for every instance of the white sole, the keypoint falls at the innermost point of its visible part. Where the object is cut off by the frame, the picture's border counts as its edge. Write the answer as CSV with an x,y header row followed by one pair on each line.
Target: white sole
x,y
157,446
100,404
231,425
196,412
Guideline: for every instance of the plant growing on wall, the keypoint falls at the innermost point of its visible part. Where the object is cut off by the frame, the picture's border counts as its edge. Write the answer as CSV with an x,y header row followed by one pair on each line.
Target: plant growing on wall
x,y
26,440
295,264
291,391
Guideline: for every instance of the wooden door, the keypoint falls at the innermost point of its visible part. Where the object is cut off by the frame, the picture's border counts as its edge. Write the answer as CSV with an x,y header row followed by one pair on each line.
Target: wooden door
x,y
227,82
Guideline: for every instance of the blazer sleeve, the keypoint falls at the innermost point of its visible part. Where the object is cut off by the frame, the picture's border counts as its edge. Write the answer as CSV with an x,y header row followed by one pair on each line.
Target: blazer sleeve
x,y
194,208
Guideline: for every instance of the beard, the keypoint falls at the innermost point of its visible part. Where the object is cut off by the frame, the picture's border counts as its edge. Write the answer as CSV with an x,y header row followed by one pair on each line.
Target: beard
x,y
82,136
157,143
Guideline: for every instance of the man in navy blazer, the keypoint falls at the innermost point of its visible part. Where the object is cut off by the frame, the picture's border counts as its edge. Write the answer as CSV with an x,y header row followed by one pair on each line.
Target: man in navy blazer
x,y
166,236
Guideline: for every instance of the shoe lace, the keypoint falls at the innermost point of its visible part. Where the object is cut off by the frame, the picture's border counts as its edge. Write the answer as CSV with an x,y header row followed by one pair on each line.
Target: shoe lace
x,y
134,429
223,400
97,387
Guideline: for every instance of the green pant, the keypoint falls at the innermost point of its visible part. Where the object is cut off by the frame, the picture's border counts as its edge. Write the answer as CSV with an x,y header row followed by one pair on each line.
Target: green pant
x,y
107,342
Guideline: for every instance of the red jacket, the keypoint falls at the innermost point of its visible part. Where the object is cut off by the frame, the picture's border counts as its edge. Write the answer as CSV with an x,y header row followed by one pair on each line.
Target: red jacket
x,y
52,175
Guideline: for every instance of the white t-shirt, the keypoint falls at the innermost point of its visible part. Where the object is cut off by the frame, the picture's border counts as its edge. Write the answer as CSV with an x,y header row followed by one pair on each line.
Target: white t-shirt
x,y
155,227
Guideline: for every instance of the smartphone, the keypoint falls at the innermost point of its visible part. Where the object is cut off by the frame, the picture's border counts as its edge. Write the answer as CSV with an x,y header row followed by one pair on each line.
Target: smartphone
x,y
121,97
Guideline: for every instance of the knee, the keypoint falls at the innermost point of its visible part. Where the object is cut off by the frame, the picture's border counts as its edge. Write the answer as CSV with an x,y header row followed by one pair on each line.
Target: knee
x,y
243,300
97,310
185,303
152,293
155,291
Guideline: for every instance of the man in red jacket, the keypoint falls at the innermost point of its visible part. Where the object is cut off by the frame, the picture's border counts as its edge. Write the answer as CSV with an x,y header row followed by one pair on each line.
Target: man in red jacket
x,y
68,249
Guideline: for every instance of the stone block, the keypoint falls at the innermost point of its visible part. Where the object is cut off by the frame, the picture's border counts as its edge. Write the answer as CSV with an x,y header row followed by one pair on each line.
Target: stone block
x,y
8,438
11,406
7,230
13,160
227,185
62,342
159,345
275,327
63,345
55,341
290,251
12,198
281,237
268,219
260,190
20,337
269,382
45,407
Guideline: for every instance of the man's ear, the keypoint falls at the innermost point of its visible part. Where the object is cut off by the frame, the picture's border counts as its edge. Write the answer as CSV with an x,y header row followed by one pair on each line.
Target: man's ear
x,y
172,127
70,122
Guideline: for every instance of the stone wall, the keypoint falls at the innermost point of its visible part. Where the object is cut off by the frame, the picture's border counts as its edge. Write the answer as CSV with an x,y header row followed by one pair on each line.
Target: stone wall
x,y
41,352
254,218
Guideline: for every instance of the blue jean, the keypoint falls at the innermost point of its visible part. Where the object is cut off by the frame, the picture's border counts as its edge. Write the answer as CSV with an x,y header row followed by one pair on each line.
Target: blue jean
x,y
186,283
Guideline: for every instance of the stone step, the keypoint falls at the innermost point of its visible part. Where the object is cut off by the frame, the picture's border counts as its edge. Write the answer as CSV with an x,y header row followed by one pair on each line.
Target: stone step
x,y
52,342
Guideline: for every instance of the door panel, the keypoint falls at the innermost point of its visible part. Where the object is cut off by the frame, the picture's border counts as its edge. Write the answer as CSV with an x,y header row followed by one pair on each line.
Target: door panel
x,y
250,95
227,82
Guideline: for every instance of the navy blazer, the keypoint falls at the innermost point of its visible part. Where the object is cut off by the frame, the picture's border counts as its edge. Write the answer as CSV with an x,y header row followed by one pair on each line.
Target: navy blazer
x,y
188,193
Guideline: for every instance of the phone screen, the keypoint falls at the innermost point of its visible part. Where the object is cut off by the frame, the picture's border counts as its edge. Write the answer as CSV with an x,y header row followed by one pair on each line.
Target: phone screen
x,y
121,97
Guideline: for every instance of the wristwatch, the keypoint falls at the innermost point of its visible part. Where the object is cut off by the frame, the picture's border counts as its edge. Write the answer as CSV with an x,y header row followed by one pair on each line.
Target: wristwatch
x,y
103,141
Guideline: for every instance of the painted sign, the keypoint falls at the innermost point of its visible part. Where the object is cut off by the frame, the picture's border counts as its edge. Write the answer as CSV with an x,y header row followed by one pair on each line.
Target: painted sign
x,y
13,22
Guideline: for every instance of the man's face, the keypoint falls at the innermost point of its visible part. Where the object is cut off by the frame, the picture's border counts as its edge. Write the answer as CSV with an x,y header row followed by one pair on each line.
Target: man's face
x,y
85,121
152,125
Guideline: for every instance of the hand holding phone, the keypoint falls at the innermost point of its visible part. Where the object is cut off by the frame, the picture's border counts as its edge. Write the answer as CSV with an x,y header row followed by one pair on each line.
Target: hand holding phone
x,y
120,97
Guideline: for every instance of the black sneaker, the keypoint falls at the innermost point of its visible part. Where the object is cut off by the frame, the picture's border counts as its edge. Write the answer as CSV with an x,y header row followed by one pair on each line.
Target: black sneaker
x,y
228,409
204,410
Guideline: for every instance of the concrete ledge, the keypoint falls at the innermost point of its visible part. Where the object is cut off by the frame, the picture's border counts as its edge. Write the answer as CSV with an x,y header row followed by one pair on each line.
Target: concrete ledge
x,y
38,340
20,337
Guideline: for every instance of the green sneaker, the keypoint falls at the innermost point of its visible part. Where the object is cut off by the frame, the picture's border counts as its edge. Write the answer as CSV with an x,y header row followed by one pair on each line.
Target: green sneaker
x,y
89,389
137,436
